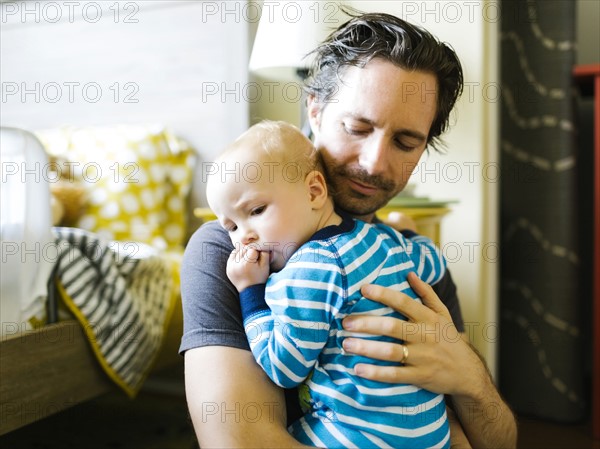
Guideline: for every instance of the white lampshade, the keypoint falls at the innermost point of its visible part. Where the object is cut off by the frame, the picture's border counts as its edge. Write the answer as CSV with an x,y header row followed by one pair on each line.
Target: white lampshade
x,y
287,32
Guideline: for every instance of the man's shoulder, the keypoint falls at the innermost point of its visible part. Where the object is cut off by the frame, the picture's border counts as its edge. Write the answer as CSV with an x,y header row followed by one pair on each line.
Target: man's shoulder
x,y
210,229
208,249
210,233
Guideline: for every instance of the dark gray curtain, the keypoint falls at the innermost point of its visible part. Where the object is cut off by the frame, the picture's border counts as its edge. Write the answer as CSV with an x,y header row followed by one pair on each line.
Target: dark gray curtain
x,y
541,364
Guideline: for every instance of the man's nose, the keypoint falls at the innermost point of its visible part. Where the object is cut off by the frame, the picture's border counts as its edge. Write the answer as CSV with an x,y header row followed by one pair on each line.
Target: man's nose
x,y
373,157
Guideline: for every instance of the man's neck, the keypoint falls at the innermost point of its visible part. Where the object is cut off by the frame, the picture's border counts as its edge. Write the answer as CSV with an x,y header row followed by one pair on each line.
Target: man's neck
x,y
366,218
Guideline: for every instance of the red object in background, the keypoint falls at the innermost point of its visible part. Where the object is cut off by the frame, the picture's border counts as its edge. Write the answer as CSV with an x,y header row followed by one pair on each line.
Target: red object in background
x,y
588,78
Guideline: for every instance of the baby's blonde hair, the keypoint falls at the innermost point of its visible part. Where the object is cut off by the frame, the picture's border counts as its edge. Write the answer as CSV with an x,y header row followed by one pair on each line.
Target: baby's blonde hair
x,y
279,142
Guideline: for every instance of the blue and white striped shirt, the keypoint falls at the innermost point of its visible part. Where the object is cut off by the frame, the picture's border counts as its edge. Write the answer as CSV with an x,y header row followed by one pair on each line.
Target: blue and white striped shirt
x,y
294,327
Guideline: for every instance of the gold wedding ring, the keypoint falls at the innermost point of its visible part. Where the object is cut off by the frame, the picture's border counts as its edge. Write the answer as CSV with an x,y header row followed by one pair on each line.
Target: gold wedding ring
x,y
404,354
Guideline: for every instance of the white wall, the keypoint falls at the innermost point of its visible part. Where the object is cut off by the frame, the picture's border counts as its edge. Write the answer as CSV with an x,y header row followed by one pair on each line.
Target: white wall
x,y
588,32
166,62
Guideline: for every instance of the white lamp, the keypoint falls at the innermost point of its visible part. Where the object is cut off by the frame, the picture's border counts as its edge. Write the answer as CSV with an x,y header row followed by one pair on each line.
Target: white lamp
x,y
287,32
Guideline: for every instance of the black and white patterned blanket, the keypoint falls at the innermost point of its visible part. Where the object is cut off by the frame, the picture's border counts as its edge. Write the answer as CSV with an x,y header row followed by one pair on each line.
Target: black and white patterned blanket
x,y
122,293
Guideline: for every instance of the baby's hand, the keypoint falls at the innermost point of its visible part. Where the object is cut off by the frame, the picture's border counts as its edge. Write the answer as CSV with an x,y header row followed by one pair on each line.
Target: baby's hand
x,y
247,266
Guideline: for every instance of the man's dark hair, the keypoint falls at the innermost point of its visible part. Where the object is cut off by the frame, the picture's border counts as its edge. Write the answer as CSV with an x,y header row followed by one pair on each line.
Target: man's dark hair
x,y
378,35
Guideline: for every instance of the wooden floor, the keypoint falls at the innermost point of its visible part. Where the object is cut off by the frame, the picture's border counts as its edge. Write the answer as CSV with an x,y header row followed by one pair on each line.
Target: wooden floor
x,y
158,419
535,433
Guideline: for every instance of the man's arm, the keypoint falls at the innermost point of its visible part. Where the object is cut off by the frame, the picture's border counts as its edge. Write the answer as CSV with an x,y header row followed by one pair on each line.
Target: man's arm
x,y
458,439
440,360
500,425
232,402
485,417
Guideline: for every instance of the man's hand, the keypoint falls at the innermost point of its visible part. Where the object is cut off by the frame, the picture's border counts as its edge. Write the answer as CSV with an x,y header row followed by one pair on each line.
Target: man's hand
x,y
439,359
247,266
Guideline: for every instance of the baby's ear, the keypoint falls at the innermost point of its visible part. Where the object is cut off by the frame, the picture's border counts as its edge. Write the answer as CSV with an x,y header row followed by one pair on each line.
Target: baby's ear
x,y
317,188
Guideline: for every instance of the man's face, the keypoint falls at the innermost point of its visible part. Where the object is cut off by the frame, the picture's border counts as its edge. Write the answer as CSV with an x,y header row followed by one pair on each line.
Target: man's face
x,y
373,132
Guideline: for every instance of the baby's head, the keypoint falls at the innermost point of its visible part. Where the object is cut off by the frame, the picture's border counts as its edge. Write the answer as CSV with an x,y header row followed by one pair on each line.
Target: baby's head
x,y
279,143
267,189
270,151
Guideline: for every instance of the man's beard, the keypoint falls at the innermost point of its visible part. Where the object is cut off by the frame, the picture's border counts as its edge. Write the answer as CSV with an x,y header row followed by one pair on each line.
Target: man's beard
x,y
354,202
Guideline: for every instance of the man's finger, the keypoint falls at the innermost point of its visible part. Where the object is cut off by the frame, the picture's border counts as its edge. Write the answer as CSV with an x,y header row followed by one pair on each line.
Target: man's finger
x,y
396,300
380,350
379,325
389,374
426,293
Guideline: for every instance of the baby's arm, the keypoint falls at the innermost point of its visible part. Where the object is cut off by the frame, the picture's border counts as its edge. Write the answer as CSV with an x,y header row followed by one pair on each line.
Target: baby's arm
x,y
287,335
429,262
427,257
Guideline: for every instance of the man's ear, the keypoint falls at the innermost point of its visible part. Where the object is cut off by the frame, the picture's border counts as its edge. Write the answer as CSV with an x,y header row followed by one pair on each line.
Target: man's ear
x,y
317,188
314,114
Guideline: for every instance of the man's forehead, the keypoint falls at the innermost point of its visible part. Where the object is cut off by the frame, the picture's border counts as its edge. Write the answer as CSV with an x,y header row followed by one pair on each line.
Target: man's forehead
x,y
369,76
381,90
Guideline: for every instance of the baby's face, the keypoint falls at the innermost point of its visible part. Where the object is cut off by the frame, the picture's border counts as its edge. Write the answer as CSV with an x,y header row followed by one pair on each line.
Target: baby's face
x,y
263,204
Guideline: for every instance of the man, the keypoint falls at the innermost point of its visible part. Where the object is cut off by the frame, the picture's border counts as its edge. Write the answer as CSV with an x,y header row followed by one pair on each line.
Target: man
x,y
381,91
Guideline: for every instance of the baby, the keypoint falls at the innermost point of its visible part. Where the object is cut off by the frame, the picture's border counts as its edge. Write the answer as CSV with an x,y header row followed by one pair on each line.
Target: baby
x,y
299,264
